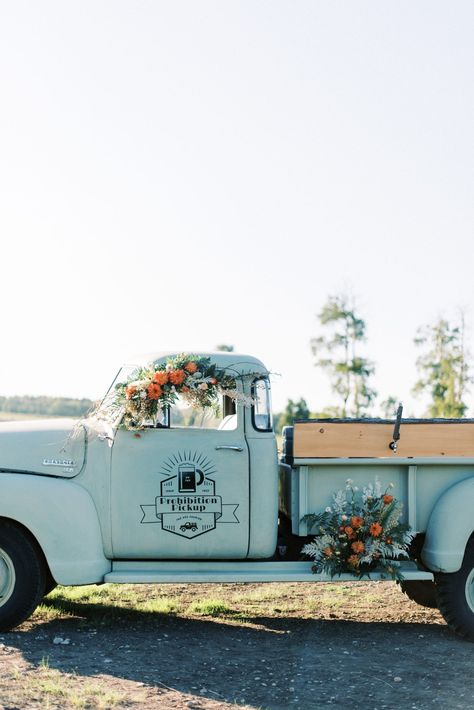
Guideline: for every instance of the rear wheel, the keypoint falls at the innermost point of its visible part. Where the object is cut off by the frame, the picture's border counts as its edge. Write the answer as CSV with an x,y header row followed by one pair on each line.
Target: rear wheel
x,y
456,595
22,576
421,591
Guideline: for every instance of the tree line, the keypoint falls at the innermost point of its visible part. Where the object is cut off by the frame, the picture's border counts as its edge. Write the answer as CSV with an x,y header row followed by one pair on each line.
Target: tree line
x,y
48,406
444,366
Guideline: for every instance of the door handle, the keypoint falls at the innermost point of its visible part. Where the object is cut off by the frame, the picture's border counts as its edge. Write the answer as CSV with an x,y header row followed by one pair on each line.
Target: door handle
x,y
230,448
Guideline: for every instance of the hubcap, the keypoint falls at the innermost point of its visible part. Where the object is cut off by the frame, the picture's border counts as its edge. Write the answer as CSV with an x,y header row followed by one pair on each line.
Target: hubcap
x,y
470,590
7,577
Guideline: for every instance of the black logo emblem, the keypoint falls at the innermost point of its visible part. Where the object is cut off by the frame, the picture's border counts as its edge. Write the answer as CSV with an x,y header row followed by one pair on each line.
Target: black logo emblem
x,y
188,504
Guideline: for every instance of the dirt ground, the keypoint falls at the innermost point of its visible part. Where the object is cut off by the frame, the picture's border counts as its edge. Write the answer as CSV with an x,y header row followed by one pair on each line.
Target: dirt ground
x,y
306,646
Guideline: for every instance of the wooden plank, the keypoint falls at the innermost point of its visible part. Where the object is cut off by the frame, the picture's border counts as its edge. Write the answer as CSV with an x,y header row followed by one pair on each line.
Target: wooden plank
x,y
314,439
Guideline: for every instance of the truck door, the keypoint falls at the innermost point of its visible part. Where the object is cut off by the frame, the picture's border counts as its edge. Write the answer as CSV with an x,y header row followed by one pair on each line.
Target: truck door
x,y
182,491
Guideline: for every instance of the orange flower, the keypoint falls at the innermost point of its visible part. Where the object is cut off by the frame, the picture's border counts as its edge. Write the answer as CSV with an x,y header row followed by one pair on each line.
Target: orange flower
x,y
353,561
213,381
328,551
358,546
387,499
130,391
184,389
160,377
349,532
357,521
177,377
154,391
191,367
376,529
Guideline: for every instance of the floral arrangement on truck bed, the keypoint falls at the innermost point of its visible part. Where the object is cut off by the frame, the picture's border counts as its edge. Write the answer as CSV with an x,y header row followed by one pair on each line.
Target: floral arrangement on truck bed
x,y
359,532
153,387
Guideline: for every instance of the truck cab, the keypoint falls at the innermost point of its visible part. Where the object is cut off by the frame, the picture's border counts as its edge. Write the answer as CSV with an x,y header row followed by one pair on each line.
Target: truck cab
x,y
198,485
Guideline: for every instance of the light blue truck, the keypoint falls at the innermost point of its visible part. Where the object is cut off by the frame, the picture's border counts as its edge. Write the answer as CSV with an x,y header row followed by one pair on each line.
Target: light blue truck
x,y
205,499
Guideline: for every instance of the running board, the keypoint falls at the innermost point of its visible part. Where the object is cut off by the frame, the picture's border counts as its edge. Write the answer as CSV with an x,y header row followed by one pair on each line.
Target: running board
x,y
169,572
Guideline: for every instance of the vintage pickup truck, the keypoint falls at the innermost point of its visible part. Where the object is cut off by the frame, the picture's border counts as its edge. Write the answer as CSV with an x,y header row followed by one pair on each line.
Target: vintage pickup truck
x,y
205,499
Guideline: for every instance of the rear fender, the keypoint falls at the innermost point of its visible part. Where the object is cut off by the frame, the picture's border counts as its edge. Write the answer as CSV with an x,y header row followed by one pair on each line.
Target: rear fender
x,y
450,526
63,519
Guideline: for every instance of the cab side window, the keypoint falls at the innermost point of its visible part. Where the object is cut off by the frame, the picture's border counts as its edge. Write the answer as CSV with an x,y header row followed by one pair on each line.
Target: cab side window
x,y
224,419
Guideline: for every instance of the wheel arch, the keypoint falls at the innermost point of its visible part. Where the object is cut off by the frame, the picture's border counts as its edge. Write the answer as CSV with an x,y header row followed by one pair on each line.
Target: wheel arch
x,y
61,518
26,531
450,527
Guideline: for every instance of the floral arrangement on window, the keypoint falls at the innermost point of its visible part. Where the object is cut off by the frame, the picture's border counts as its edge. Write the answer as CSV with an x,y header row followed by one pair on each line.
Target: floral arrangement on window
x,y
149,389
359,532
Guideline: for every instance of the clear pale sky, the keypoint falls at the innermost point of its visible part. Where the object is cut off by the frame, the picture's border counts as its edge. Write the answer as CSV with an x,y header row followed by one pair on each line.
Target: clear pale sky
x,y
174,175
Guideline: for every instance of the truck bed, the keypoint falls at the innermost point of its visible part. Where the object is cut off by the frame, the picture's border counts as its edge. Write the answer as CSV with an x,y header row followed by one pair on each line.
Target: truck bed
x,y
367,438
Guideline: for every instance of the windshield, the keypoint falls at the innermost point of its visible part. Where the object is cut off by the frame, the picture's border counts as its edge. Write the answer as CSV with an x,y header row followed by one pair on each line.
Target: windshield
x,y
108,408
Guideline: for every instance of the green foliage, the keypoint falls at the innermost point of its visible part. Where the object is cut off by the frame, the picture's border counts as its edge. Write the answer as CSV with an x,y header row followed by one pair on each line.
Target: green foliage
x,y
53,406
444,367
337,354
389,407
293,410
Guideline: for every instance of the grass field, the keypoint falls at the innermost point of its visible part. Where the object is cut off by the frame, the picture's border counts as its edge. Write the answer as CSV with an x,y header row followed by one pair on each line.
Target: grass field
x,y
110,603
218,647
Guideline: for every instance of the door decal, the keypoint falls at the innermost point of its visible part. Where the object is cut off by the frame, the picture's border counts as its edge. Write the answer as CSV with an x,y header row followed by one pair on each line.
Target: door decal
x,y
187,504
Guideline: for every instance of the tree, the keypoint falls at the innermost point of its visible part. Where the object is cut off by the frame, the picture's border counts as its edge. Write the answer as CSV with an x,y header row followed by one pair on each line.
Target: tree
x,y
293,410
225,348
389,407
444,367
338,354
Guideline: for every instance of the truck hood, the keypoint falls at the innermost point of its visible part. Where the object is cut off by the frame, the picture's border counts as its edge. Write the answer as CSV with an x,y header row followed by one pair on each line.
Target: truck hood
x,y
52,447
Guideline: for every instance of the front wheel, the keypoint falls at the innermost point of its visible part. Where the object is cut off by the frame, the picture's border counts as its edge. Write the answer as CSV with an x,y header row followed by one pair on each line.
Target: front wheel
x,y
456,595
22,576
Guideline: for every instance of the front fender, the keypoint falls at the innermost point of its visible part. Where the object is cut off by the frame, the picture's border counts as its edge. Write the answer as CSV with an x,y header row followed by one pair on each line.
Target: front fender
x,y
449,528
62,517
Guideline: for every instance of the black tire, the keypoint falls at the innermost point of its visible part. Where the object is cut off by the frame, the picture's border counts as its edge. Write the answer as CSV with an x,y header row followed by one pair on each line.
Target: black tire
x,y
456,595
22,576
421,591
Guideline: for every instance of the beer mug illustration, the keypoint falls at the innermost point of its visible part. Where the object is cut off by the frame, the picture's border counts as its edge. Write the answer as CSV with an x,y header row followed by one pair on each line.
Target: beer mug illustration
x,y
187,475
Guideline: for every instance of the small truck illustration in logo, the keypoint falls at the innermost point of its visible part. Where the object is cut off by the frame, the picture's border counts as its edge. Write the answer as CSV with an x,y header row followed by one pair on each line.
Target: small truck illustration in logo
x,y
189,526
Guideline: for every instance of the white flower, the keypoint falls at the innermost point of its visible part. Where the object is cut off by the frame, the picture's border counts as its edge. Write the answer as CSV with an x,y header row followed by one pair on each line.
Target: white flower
x,y
349,482
143,394
329,509
343,517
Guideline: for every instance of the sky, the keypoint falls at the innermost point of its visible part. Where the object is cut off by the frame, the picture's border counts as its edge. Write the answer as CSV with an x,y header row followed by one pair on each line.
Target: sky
x,y
176,175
